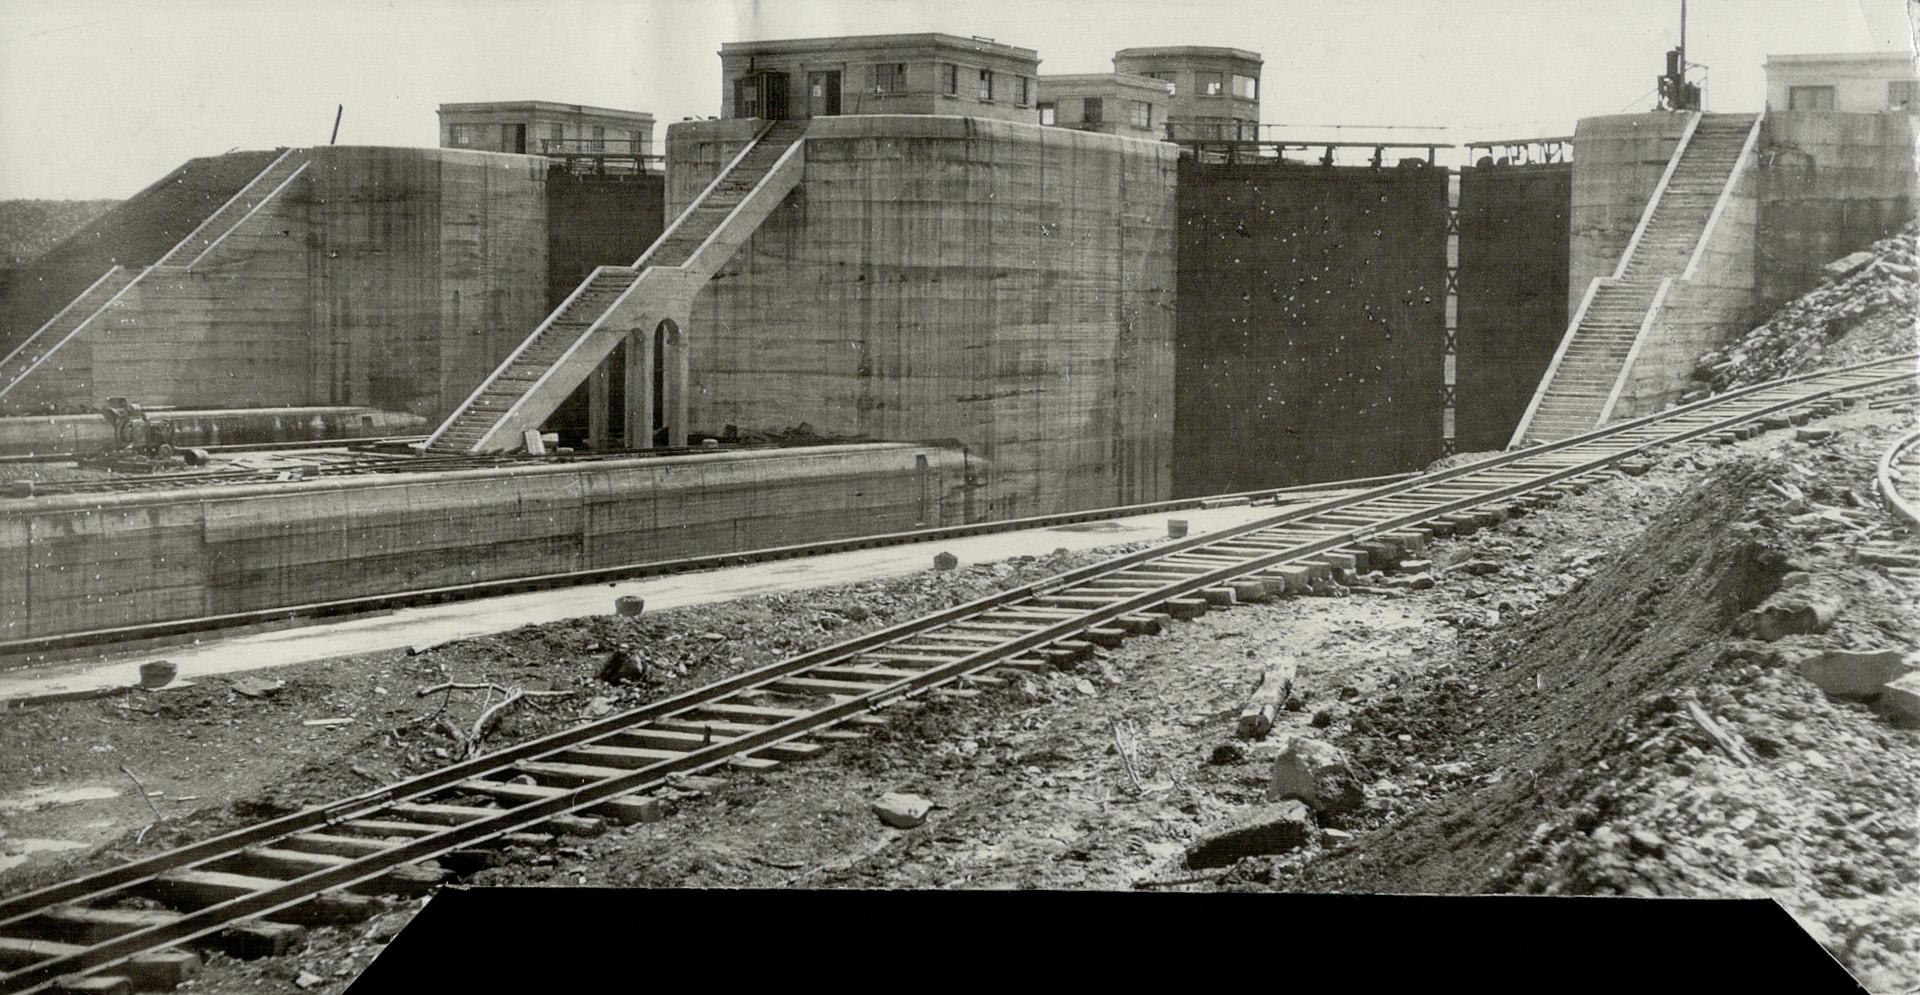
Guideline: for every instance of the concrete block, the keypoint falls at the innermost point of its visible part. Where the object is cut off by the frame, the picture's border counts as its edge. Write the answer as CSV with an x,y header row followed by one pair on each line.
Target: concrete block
x,y
1903,695
1297,577
1256,831
161,970
1187,607
1856,673
1219,597
1248,590
1176,528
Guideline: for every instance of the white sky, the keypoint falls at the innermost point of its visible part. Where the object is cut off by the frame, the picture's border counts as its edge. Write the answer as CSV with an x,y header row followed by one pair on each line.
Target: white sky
x,y
98,98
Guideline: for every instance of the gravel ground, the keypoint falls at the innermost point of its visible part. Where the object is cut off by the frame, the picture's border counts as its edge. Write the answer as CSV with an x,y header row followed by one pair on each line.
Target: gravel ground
x,y
1523,727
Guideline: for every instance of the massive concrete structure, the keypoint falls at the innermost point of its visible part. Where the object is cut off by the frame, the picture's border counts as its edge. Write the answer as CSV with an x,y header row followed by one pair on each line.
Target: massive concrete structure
x,y
1002,284
1688,228
392,278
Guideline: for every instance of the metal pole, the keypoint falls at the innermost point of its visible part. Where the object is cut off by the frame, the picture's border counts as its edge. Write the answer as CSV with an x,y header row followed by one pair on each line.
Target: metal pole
x,y
338,110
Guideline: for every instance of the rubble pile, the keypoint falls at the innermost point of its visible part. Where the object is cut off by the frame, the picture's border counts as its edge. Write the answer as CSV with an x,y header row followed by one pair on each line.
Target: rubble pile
x,y
1864,310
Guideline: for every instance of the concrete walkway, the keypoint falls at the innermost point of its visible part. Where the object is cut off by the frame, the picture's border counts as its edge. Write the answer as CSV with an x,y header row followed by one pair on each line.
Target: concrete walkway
x,y
406,627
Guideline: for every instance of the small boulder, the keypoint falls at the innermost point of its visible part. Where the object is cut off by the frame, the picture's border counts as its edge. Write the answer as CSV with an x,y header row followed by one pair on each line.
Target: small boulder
x,y
902,811
629,605
945,561
1855,673
1227,753
623,666
1262,829
1791,616
1316,773
157,673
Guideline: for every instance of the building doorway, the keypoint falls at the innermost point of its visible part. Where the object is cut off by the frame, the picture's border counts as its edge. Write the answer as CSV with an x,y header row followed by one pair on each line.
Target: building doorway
x,y
761,94
823,93
513,138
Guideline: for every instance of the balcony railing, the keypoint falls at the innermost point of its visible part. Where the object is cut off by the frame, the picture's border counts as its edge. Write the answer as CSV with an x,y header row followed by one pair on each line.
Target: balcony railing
x,y
593,156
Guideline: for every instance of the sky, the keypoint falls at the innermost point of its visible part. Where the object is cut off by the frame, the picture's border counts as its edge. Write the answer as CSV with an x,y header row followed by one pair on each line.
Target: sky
x,y
99,98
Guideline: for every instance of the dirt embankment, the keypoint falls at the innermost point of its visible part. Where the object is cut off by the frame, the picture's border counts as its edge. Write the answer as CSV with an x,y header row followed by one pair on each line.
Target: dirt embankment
x,y
1577,754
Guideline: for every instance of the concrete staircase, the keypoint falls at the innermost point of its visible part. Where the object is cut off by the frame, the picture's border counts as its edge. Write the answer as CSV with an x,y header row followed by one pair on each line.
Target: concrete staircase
x,y
585,329
1574,395
85,309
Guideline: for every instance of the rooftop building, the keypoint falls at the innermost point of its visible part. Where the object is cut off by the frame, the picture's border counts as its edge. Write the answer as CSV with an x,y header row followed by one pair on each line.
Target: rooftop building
x,y
878,74
1863,82
536,127
1216,91
1109,103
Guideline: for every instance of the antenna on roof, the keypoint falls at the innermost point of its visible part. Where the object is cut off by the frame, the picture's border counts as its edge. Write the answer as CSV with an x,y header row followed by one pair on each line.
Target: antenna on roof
x,y
337,111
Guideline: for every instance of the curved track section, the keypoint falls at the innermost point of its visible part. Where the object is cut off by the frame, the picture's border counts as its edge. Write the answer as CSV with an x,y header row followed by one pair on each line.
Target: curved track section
x,y
1899,478
611,768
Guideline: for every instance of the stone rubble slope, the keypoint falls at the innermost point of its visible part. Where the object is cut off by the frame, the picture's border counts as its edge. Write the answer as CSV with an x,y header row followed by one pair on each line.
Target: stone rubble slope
x,y
1866,309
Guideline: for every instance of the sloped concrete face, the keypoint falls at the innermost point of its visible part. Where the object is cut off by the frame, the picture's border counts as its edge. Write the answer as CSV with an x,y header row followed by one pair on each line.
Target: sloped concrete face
x,y
389,277
1000,284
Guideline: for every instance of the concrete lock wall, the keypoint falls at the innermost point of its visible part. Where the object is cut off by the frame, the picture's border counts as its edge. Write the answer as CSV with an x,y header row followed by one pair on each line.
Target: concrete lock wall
x,y
1003,284
1618,161
430,266
1831,183
1311,323
75,563
1514,250
395,278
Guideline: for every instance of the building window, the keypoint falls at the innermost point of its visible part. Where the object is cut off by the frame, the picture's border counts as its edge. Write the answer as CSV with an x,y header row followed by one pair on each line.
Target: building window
x,y
1903,95
1090,110
599,138
1142,114
950,80
557,134
1020,90
986,84
890,77
457,135
1211,84
1166,78
1046,113
1246,87
1810,98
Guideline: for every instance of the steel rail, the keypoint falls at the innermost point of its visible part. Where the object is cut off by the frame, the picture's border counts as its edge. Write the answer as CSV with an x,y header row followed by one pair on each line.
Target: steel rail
x,y
1195,564
1903,451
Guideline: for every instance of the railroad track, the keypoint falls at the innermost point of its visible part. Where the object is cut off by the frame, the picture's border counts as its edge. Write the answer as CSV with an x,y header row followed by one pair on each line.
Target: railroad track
x,y
1899,478
304,866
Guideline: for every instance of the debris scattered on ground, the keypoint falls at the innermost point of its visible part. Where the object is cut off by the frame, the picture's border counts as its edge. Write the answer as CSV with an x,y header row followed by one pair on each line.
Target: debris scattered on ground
x,y
1865,310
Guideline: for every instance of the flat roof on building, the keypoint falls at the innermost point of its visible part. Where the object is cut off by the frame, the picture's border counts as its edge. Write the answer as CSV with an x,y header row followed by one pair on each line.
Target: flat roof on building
x,y
543,105
931,39
1174,51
